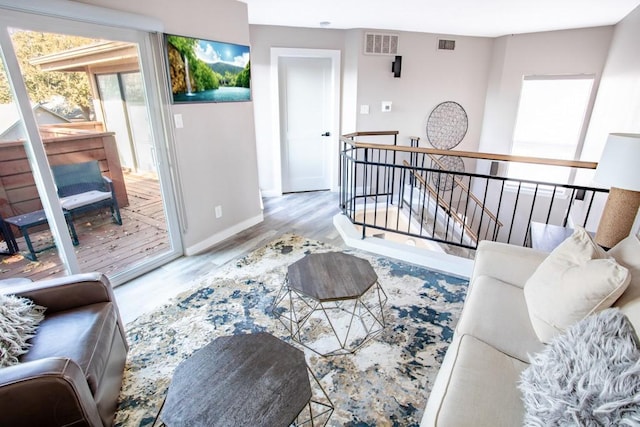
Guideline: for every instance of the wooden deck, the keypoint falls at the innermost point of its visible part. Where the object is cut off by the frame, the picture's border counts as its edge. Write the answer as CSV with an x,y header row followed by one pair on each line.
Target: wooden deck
x,y
104,246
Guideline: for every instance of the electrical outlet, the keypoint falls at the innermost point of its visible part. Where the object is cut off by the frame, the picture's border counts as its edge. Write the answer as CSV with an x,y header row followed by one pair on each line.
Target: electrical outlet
x,y
218,211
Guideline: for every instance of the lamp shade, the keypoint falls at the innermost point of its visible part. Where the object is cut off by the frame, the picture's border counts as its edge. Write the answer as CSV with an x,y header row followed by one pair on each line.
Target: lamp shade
x,y
620,161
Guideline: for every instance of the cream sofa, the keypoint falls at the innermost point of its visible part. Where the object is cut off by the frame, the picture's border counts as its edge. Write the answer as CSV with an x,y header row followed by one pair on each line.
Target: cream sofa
x,y
494,338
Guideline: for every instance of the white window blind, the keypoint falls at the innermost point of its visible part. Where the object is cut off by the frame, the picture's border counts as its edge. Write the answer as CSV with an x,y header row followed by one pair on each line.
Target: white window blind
x,y
550,121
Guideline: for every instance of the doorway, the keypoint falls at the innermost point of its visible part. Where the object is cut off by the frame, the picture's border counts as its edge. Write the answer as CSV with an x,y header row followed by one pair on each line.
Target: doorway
x,y
308,86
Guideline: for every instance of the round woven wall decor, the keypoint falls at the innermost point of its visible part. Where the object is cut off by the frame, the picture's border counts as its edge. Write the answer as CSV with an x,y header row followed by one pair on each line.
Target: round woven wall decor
x,y
444,181
447,125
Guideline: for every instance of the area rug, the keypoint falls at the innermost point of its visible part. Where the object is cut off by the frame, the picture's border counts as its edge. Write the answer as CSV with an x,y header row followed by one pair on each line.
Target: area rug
x,y
385,383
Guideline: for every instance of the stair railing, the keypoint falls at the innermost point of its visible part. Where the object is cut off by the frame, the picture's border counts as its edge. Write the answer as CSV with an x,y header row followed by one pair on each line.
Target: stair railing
x,y
378,180
452,213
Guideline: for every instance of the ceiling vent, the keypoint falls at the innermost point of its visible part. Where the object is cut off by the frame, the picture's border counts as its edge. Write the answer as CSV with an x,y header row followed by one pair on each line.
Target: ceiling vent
x,y
446,44
380,44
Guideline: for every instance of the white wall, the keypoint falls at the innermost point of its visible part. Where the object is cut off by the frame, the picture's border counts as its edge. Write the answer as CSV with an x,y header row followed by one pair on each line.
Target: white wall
x,y
352,47
582,51
216,148
617,106
428,78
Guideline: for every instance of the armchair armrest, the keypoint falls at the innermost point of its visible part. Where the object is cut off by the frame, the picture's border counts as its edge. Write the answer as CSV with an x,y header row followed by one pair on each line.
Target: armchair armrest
x,y
51,391
65,293
509,263
108,182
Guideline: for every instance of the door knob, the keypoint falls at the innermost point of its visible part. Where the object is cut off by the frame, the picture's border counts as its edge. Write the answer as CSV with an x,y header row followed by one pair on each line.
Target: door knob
x,y
326,134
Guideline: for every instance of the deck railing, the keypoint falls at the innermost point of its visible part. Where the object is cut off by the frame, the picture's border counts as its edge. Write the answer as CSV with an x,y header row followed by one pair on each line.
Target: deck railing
x,y
421,193
18,191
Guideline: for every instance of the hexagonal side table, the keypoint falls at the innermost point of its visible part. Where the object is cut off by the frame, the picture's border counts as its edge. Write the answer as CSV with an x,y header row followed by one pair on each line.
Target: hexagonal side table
x,y
252,379
331,303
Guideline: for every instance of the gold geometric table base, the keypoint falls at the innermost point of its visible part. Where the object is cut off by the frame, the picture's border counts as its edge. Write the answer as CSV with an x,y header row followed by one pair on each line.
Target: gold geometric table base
x,y
352,322
319,409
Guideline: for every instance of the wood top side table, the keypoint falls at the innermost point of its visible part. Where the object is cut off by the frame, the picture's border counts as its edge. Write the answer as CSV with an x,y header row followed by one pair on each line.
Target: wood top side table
x,y
251,380
546,237
331,289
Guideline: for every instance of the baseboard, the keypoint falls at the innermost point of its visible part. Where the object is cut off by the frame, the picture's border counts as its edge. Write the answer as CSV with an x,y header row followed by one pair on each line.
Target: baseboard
x,y
271,193
450,264
219,237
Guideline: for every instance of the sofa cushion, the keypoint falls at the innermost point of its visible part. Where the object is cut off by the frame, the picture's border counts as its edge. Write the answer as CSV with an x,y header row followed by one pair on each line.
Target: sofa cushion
x,y
83,335
509,263
588,376
481,390
83,199
496,312
574,281
627,254
19,319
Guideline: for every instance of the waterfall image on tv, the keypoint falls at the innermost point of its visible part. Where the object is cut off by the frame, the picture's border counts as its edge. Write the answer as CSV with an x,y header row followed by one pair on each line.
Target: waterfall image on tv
x,y
207,71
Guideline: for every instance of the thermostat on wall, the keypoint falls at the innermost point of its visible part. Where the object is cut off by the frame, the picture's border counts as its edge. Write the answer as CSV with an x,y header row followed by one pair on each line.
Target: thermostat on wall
x,y
386,106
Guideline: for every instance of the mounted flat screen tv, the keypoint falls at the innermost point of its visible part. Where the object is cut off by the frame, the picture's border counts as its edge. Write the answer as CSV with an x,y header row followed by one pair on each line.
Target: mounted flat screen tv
x,y
207,71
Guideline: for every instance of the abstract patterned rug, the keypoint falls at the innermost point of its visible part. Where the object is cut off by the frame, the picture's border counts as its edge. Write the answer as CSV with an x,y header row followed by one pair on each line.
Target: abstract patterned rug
x,y
385,383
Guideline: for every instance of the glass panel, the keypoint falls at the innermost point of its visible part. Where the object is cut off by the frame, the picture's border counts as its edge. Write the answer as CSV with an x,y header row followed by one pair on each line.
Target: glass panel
x,y
25,239
139,119
113,110
75,87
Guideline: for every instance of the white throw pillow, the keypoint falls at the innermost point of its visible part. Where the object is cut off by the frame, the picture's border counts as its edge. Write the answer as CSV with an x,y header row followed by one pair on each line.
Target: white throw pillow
x,y
627,254
574,281
589,376
19,319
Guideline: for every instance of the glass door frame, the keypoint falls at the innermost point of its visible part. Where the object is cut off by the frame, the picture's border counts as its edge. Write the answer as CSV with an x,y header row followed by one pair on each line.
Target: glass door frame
x,y
35,148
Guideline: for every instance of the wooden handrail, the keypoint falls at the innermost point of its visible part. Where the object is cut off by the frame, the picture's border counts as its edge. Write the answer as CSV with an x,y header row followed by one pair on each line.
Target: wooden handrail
x,y
476,155
371,133
468,191
443,203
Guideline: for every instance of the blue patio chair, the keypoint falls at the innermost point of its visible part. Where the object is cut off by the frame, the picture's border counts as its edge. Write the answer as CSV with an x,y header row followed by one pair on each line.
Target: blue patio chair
x,y
83,188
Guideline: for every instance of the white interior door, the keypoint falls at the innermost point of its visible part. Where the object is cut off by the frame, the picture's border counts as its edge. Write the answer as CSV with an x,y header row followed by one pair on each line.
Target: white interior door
x,y
306,92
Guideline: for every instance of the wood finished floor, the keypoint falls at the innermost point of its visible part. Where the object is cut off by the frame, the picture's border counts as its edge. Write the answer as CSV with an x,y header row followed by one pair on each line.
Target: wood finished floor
x,y
307,214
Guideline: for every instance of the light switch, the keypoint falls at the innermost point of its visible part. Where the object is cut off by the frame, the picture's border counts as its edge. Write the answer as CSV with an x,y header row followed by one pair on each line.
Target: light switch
x,y
386,106
364,109
177,119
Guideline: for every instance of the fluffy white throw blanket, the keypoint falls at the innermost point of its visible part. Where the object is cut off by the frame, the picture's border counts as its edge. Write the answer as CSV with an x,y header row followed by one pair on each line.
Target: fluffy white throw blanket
x,y
19,319
590,376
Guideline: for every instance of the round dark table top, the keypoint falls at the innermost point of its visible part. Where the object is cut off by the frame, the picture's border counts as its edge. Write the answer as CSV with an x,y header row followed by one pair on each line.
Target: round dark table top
x,y
331,276
252,380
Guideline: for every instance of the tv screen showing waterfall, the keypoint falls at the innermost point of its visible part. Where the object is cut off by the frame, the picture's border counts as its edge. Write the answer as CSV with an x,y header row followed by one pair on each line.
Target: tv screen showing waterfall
x,y
207,71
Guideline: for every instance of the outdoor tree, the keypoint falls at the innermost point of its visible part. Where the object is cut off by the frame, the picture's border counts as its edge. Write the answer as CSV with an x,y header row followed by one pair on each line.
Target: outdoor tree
x,y
46,86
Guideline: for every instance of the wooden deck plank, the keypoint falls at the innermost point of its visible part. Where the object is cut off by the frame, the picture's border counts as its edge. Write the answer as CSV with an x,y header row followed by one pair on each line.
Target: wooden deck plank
x,y
104,246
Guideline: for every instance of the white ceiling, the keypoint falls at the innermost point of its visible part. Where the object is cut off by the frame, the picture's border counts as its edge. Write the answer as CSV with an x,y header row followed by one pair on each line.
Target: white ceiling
x,y
489,18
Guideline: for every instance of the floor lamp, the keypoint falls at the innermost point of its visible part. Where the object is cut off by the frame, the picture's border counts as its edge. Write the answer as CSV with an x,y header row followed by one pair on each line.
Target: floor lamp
x,y
619,168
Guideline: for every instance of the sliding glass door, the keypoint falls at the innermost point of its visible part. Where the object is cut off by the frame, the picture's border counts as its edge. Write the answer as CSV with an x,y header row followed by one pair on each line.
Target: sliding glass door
x,y
87,99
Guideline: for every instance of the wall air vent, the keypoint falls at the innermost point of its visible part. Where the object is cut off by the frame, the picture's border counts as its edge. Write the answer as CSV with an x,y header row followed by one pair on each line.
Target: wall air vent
x,y
380,44
446,44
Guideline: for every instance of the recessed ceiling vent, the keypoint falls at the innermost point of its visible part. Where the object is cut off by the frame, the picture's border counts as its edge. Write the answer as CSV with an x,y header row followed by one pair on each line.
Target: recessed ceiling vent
x,y
446,44
380,44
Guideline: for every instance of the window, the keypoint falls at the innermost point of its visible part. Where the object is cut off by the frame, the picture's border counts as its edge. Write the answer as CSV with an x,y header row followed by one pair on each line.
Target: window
x,y
550,122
